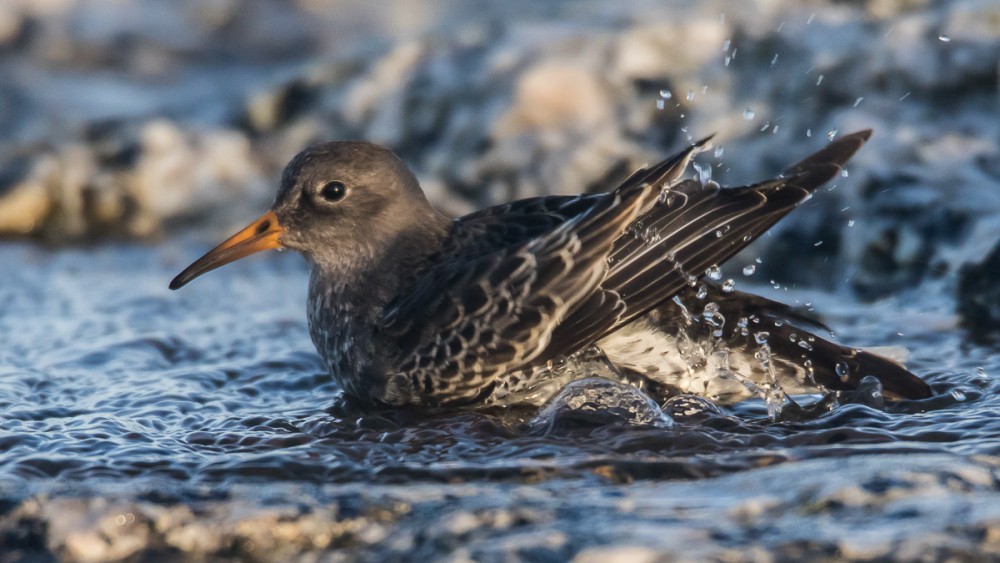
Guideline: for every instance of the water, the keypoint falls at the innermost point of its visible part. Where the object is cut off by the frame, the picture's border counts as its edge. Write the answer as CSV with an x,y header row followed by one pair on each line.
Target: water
x,y
111,383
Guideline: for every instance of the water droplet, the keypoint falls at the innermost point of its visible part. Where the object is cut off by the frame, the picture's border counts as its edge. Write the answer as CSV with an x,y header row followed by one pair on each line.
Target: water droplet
x,y
765,126
944,38
690,96
692,280
704,172
843,173
710,310
818,243
904,96
714,273
718,234
958,394
850,222
726,44
809,133
666,94
665,197
857,102
749,114
843,371
718,152
702,292
774,61
651,235
761,337
831,134
660,104
811,18
729,285
819,80
749,269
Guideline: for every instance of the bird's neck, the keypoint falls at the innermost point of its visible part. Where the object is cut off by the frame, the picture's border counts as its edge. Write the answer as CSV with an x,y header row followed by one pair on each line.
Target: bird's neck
x,y
345,301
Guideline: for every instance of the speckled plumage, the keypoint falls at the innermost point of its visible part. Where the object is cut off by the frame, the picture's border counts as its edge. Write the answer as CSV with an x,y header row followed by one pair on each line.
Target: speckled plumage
x,y
408,307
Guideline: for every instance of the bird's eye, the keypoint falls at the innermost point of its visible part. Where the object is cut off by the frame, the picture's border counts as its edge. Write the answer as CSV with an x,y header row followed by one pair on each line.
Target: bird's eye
x,y
333,191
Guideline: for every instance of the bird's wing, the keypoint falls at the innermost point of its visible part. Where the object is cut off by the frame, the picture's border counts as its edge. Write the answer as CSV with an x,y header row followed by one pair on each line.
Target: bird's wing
x,y
489,307
695,226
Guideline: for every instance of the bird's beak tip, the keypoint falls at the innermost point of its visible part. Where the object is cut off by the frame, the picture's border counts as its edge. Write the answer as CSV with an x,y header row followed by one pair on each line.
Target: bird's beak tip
x,y
263,234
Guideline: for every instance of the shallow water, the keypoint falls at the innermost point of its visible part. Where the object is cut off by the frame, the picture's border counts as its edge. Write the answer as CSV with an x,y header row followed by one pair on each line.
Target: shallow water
x,y
107,377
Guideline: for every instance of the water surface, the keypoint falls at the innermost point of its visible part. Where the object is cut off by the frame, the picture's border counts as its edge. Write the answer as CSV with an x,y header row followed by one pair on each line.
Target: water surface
x,y
107,378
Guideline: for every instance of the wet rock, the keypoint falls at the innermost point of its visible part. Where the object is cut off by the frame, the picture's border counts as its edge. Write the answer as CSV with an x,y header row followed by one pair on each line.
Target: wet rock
x,y
979,296
129,181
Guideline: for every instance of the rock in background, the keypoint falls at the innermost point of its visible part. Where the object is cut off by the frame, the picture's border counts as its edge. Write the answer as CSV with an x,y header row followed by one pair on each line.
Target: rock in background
x,y
137,118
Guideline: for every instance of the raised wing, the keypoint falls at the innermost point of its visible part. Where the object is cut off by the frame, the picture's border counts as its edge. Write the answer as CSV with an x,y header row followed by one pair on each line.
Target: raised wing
x,y
695,226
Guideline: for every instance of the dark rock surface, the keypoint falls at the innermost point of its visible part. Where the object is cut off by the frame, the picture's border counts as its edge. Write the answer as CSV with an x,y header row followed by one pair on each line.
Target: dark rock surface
x,y
979,296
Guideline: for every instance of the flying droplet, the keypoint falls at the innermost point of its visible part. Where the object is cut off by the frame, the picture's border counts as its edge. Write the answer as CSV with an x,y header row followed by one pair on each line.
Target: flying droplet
x,y
857,102
819,80
761,337
718,152
944,38
666,94
660,104
843,173
850,222
749,269
702,291
729,285
713,273
831,134
809,133
690,96
749,114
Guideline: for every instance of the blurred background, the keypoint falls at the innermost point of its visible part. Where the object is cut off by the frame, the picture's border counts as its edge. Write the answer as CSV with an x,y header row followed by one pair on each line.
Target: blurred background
x,y
149,119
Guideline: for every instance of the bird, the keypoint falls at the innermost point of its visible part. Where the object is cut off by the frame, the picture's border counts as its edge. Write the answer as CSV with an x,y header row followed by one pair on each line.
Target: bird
x,y
505,305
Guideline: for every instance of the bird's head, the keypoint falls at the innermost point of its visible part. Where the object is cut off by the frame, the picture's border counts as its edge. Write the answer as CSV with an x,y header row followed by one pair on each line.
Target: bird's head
x,y
340,204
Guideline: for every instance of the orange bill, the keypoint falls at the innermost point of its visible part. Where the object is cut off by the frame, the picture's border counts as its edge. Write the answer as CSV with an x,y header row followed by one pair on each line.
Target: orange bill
x,y
262,234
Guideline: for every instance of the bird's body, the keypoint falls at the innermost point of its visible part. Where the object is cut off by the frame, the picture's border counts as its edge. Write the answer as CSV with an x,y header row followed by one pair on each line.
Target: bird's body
x,y
509,303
